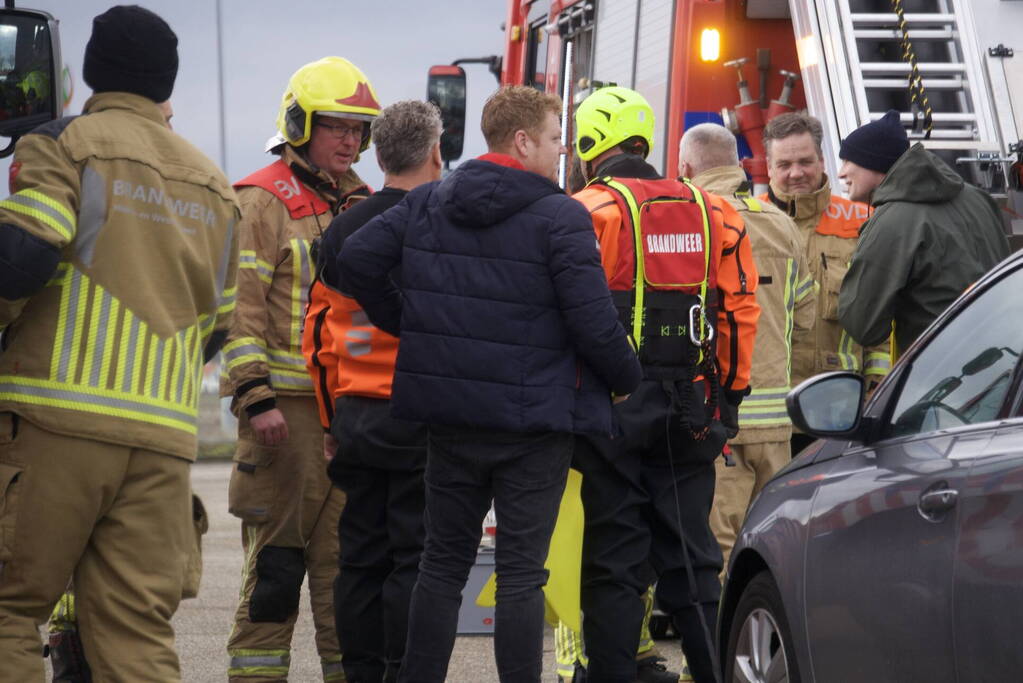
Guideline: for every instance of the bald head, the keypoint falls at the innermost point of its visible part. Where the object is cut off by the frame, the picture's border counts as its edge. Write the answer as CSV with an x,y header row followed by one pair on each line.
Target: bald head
x,y
706,146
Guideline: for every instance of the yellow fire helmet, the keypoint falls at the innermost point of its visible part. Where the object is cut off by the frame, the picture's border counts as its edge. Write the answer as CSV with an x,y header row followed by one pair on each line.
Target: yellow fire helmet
x,y
609,117
331,86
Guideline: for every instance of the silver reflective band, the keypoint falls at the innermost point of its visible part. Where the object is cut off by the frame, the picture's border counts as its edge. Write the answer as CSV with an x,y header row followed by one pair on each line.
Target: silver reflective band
x,y
181,414
50,212
259,660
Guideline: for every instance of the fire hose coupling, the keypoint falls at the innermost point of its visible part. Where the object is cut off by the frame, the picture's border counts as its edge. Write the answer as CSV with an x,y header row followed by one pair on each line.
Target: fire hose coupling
x,y
790,82
699,329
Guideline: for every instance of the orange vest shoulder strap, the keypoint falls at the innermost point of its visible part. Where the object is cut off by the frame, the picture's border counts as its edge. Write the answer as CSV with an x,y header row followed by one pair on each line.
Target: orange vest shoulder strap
x,y
279,180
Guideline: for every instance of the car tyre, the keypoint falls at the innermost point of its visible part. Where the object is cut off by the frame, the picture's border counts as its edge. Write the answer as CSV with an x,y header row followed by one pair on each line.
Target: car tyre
x,y
760,640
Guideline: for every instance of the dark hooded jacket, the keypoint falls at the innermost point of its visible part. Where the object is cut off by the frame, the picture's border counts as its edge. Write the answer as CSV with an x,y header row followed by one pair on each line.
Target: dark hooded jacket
x,y
504,316
931,236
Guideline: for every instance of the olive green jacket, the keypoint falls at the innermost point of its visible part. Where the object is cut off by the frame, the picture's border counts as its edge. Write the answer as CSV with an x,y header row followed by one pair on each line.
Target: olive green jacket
x,y
931,236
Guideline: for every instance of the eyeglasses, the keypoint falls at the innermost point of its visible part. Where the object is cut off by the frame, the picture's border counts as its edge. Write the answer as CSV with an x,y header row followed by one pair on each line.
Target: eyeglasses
x,y
342,132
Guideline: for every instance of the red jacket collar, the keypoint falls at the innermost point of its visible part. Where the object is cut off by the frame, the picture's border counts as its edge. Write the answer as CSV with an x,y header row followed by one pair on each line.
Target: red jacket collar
x,y
502,160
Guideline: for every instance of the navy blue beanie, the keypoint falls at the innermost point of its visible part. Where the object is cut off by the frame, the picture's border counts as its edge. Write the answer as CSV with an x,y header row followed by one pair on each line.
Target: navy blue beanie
x,y
876,145
131,50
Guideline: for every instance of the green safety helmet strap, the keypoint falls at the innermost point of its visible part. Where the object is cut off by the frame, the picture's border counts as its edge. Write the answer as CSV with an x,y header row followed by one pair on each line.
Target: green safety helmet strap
x,y
609,117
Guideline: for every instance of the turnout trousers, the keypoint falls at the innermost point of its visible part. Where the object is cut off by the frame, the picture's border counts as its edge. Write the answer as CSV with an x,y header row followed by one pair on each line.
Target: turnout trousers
x,y
755,464
118,520
379,466
636,490
289,511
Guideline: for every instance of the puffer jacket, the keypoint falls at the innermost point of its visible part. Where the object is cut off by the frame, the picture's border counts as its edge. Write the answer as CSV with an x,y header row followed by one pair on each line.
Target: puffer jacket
x,y
931,236
505,318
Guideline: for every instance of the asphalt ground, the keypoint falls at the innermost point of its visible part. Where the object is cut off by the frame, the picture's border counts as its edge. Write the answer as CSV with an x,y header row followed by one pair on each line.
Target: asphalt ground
x,y
202,624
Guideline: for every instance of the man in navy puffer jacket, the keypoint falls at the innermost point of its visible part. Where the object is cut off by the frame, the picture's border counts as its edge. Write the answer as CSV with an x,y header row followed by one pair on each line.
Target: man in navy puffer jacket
x,y
509,345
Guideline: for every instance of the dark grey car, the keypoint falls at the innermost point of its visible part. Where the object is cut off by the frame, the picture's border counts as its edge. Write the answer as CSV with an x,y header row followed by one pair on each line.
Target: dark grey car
x,y
893,551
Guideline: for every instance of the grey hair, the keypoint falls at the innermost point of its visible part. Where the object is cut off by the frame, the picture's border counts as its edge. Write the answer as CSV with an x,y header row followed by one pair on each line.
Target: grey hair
x,y
706,146
404,134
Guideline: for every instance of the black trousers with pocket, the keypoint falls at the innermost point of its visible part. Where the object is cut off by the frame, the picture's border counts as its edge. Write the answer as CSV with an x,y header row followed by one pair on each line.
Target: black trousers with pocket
x,y
379,465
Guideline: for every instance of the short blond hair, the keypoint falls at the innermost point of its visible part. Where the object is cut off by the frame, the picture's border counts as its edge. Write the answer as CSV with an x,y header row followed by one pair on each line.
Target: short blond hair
x,y
514,108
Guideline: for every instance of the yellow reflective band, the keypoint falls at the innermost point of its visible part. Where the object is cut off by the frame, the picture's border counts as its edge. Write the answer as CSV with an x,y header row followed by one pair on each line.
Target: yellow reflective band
x,y
110,326
93,339
71,350
164,383
227,301
877,363
302,277
140,348
751,203
45,210
247,260
79,398
244,350
805,287
62,324
845,356
261,663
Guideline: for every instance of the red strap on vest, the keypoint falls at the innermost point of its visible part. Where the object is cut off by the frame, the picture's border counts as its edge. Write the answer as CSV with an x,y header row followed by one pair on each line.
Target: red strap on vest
x,y
279,180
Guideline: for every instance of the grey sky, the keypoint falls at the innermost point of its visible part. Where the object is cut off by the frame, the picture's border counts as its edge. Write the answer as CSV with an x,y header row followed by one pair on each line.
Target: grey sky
x,y
394,42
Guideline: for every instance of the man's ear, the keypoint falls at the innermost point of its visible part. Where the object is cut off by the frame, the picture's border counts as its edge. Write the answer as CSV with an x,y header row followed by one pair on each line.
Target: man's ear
x,y
522,143
435,155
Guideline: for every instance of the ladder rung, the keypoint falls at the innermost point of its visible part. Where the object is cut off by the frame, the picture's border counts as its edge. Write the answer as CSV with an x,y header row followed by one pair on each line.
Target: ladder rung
x,y
903,67
978,145
929,83
895,34
892,19
936,117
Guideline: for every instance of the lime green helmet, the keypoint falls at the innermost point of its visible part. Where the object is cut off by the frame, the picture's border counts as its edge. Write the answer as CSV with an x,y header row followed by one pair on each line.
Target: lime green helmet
x,y
609,117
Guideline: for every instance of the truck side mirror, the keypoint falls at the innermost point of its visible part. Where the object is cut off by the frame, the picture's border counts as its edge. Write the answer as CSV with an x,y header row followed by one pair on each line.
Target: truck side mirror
x,y
30,70
446,88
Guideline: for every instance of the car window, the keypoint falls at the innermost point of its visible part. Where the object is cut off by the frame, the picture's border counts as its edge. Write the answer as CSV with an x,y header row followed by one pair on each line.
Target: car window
x,y
962,375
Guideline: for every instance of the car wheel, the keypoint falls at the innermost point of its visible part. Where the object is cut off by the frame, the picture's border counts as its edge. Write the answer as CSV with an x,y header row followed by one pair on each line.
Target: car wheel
x,y
760,641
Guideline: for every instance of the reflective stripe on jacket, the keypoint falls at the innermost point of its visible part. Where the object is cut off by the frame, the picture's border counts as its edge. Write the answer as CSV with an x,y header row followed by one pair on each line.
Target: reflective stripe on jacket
x,y
787,296
829,228
112,347
281,218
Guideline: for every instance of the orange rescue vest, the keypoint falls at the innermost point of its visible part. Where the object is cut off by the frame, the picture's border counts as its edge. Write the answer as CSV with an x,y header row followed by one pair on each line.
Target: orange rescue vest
x,y
665,282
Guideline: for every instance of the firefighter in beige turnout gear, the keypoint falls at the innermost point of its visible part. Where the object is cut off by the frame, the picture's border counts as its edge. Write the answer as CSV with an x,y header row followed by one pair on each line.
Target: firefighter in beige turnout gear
x,y
117,273
829,229
279,486
787,296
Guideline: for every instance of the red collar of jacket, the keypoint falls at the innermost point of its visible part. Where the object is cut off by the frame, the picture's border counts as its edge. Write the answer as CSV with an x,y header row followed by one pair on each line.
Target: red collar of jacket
x,y
502,160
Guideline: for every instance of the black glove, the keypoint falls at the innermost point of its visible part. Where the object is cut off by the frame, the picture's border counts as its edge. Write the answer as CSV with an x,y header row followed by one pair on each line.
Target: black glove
x,y
729,410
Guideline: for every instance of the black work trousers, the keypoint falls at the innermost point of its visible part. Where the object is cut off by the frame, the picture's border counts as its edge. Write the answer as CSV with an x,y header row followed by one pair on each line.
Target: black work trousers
x,y
524,475
636,490
379,465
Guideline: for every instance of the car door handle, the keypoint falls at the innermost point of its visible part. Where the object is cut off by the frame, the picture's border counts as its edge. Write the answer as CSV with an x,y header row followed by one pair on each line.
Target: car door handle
x,y
938,501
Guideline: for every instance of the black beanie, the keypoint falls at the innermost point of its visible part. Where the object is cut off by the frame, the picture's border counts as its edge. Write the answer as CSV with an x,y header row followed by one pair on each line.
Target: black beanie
x,y
131,50
876,145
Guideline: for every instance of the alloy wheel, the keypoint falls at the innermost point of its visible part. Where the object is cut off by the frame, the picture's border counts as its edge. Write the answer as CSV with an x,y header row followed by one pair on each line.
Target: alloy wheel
x,y
760,651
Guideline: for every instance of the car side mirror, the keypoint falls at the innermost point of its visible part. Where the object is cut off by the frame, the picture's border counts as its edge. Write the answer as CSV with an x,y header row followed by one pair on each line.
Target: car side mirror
x,y
828,405
445,87
30,71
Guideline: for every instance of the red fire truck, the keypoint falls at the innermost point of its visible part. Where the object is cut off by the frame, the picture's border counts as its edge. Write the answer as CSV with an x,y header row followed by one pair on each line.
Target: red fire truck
x,y
741,62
